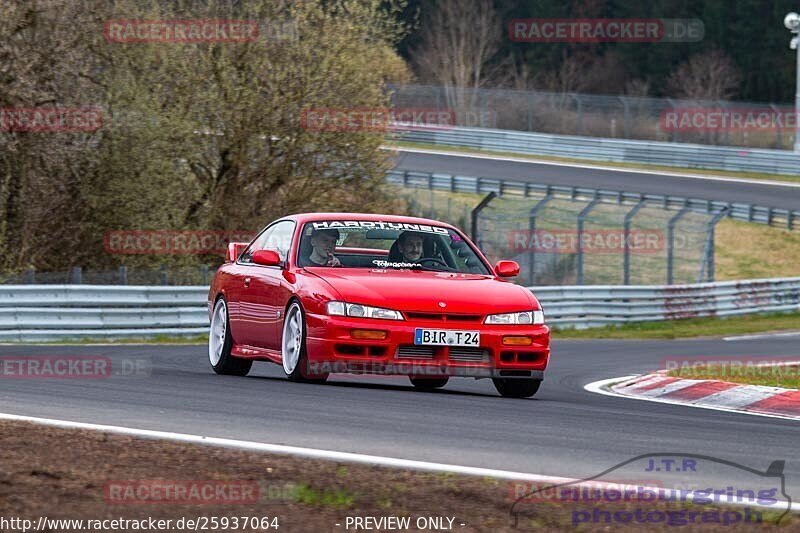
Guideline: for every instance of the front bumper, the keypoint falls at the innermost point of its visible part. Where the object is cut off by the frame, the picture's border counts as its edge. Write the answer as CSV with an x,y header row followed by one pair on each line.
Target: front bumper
x,y
332,349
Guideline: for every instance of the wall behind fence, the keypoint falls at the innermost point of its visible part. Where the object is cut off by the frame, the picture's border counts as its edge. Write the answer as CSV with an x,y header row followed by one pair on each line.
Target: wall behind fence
x,y
31,313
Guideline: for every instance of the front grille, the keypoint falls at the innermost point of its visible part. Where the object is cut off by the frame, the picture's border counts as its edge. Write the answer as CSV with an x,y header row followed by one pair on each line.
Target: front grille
x,y
410,351
473,355
442,317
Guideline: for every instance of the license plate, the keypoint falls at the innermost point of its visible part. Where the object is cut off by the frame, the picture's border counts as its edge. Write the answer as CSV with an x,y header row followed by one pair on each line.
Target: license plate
x,y
446,337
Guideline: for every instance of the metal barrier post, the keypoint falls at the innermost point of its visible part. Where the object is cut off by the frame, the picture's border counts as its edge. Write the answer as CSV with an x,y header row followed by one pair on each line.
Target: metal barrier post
x,y
474,215
123,275
75,276
671,244
530,111
581,218
532,227
627,110
482,100
627,235
580,112
707,266
726,138
777,122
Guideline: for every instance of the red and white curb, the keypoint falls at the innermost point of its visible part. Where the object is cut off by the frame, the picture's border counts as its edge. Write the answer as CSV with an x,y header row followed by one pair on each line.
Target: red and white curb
x,y
708,394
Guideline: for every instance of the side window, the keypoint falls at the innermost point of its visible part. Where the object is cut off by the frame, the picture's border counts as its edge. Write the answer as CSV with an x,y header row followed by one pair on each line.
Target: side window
x,y
277,237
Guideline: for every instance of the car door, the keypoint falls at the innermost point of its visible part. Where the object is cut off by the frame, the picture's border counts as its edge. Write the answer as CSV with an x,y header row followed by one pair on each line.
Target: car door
x,y
265,290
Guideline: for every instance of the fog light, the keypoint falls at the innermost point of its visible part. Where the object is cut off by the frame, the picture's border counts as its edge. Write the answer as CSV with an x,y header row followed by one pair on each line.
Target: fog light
x,y
513,340
368,334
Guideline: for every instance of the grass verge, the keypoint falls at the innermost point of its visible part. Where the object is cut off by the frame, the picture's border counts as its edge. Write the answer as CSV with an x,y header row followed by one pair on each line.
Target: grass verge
x,y
745,250
687,328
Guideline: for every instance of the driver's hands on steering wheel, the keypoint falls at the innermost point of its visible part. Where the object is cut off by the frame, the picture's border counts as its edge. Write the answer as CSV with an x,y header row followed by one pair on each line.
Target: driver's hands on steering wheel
x,y
434,260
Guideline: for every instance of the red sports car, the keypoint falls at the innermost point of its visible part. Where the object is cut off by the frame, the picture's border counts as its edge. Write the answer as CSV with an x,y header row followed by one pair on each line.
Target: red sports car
x,y
330,293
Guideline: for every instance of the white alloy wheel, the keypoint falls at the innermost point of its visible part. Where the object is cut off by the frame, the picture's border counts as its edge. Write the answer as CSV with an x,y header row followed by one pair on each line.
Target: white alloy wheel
x,y
216,334
292,342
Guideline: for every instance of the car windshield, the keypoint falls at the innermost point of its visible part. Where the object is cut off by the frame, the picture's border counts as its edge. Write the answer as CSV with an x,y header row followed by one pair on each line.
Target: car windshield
x,y
386,245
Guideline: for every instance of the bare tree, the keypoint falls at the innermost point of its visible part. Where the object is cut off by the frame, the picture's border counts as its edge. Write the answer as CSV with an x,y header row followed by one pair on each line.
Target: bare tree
x,y
569,77
457,41
638,88
710,75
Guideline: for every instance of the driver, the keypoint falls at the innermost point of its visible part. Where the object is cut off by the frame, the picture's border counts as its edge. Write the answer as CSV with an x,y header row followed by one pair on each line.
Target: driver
x,y
323,242
410,245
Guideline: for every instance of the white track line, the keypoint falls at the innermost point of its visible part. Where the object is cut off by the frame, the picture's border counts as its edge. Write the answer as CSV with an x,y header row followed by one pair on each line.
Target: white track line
x,y
342,456
750,181
291,450
602,387
761,336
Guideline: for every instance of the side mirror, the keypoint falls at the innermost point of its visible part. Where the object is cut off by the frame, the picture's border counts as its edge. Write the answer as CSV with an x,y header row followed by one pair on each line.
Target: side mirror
x,y
267,258
507,269
235,249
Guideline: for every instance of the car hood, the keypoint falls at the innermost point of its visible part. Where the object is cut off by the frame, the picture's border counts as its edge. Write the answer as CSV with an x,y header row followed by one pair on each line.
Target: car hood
x,y
423,290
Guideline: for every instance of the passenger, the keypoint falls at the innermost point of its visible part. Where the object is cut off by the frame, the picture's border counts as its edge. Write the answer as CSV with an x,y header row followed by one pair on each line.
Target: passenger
x,y
323,243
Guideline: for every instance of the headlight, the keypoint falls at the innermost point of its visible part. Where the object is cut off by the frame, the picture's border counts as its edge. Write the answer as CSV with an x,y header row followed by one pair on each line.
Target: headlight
x,y
524,317
364,311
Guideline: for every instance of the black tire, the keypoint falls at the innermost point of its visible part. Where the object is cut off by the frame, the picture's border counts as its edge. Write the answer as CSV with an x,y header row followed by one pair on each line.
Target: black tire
x,y
428,383
516,388
227,364
300,372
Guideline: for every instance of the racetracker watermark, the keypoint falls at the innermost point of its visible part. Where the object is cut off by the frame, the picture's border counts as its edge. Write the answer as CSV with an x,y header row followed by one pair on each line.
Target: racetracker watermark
x,y
591,241
717,119
400,368
51,119
180,492
170,242
597,30
374,119
723,368
71,367
181,31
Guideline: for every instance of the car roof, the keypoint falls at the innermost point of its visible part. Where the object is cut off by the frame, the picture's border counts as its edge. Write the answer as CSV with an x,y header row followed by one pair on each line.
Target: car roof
x,y
313,217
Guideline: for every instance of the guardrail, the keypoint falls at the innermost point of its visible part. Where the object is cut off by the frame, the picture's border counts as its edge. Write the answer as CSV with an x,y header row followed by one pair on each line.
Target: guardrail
x,y
483,185
604,149
32,313
41,313
590,306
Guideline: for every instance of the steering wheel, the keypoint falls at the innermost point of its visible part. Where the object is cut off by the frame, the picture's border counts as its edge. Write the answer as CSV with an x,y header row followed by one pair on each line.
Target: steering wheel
x,y
434,260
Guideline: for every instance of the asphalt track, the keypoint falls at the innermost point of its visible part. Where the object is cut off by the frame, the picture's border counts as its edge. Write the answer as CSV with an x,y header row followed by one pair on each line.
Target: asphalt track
x,y
563,431
766,195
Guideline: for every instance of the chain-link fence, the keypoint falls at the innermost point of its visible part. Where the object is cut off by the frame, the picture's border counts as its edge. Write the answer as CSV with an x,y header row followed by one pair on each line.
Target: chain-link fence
x,y
728,123
579,239
561,241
